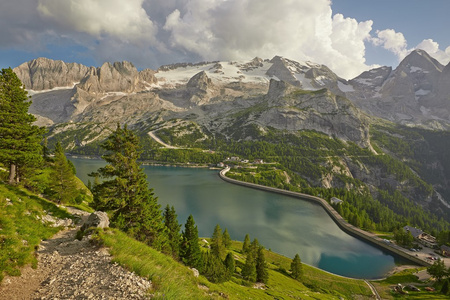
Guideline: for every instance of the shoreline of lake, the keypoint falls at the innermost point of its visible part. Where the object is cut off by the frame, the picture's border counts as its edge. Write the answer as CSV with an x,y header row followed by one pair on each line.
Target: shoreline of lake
x,y
334,215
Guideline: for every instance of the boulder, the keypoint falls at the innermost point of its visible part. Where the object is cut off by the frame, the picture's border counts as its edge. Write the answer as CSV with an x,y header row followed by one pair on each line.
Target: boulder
x,y
96,219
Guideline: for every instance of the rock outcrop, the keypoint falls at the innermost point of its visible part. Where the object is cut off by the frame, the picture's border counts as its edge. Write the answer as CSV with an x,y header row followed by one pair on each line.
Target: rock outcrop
x,y
45,74
294,109
199,88
97,219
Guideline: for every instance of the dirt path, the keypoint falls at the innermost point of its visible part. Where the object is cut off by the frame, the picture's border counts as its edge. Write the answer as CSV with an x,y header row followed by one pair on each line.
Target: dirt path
x,y
73,269
158,140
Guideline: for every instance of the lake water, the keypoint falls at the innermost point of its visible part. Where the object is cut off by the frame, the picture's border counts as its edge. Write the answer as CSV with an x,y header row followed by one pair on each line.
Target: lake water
x,y
283,224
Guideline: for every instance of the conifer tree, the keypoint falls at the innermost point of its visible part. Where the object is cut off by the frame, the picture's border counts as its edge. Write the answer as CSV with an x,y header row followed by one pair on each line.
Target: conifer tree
x,y
254,246
213,268
173,230
262,273
249,268
134,208
226,239
217,246
230,265
19,138
296,267
246,244
190,251
63,178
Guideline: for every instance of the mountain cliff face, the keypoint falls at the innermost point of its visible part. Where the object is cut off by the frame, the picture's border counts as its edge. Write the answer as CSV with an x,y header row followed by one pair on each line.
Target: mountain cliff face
x,y
45,74
415,93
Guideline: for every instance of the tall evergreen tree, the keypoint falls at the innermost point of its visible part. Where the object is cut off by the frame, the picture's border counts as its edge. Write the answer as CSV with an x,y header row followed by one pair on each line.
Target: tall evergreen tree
x,y
262,273
217,246
19,138
213,268
173,230
296,267
190,251
249,268
63,178
230,264
226,239
134,208
246,244
254,246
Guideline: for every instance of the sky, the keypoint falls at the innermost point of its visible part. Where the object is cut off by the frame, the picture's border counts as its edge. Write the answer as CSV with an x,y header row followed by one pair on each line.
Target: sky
x,y
349,36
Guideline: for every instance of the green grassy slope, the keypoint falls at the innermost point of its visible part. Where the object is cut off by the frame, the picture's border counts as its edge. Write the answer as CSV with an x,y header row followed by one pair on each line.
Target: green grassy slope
x,y
21,227
172,280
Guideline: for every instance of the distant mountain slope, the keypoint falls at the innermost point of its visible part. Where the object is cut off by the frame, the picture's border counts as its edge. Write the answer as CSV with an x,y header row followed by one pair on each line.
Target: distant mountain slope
x,y
415,93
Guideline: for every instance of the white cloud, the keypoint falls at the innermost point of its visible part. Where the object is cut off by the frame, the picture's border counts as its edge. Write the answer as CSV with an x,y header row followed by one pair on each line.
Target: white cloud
x,y
397,44
243,29
432,48
392,41
124,20
156,32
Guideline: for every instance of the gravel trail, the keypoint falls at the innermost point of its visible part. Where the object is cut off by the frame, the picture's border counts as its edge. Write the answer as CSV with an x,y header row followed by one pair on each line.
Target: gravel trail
x,y
73,269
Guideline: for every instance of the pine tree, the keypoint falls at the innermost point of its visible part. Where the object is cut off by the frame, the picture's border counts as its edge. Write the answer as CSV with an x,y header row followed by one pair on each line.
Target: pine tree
x,y
249,268
217,246
190,251
230,265
296,267
246,244
262,273
254,246
134,208
63,178
173,230
213,268
226,239
19,138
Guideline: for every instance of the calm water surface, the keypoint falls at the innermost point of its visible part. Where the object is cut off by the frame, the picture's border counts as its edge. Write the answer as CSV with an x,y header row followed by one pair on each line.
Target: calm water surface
x,y
283,224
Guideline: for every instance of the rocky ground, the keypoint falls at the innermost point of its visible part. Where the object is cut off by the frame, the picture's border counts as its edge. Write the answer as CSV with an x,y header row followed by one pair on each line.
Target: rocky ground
x,y
73,269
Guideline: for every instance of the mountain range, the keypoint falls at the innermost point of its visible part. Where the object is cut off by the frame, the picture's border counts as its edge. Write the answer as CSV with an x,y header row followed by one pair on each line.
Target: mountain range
x,y
241,101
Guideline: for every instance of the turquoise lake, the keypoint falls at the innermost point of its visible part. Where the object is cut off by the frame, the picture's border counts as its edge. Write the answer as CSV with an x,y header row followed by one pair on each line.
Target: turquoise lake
x,y
283,224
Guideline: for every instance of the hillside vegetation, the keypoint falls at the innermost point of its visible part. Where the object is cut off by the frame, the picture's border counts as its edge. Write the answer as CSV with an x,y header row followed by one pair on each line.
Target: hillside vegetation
x,y
23,225
173,281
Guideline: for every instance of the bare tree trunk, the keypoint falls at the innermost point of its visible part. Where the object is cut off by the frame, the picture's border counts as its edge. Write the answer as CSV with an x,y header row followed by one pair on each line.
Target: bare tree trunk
x,y
12,173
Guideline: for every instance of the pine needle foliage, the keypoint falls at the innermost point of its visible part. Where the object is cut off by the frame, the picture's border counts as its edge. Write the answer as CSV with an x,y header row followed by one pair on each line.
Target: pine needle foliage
x,y
125,193
19,139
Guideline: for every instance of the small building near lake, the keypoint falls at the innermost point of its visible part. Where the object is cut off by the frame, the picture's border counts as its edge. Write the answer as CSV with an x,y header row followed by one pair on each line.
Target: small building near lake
x,y
421,236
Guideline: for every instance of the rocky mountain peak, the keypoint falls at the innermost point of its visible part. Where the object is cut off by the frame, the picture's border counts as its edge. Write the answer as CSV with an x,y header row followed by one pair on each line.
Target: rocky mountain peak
x,y
118,77
419,60
280,70
45,74
199,81
199,88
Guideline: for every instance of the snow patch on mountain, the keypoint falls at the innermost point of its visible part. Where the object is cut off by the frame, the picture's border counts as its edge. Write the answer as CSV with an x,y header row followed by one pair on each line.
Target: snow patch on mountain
x,y
345,87
59,88
220,72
